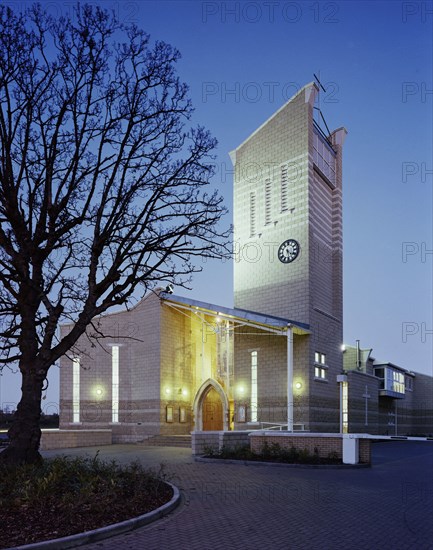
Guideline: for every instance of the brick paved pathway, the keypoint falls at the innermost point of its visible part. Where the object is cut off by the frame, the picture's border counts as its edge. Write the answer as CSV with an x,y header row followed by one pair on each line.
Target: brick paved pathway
x,y
388,506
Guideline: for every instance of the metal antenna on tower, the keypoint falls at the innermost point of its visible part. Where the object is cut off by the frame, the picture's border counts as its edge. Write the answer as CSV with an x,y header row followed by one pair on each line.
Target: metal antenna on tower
x,y
318,109
318,82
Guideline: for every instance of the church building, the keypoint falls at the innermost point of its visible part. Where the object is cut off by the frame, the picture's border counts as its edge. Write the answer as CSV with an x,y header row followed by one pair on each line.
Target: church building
x,y
172,365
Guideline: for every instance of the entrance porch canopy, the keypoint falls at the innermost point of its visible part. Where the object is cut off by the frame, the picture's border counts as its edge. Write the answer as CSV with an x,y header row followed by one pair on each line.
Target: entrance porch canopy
x,y
269,323
243,317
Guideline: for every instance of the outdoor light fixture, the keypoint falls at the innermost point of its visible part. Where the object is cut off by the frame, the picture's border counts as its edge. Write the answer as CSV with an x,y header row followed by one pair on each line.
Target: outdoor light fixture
x,y
343,347
298,385
184,393
241,389
167,391
99,392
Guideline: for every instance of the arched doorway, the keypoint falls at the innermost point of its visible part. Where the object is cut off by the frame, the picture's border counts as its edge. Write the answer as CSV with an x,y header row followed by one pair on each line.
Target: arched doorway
x,y
211,407
212,411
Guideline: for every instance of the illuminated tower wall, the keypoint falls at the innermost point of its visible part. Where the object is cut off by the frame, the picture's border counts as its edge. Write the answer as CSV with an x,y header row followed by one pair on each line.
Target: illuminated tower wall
x,y
288,243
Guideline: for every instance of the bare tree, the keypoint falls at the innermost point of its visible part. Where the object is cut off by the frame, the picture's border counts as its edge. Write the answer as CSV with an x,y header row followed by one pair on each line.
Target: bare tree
x,y
102,186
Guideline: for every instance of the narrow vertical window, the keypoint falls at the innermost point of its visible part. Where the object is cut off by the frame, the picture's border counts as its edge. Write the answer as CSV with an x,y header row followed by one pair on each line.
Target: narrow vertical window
x,y
76,389
284,189
253,386
345,407
115,383
252,214
268,202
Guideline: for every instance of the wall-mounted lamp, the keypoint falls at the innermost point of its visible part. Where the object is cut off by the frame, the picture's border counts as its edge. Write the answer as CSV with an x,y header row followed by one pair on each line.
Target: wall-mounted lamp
x,y
298,385
99,392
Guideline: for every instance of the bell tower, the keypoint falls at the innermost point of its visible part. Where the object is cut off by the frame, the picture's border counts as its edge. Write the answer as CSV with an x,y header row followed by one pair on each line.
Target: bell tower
x,y
288,236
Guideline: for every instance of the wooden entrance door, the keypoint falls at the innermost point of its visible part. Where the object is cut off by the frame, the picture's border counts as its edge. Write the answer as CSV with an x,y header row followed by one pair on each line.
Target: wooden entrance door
x,y
212,411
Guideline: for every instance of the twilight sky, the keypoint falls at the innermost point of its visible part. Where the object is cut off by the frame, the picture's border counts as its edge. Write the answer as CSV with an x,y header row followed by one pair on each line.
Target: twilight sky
x,y
242,61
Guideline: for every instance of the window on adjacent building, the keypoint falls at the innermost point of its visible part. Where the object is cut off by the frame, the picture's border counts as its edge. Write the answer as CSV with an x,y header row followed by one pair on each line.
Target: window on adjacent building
x,y
408,383
268,202
253,402
252,214
115,383
391,379
397,381
76,389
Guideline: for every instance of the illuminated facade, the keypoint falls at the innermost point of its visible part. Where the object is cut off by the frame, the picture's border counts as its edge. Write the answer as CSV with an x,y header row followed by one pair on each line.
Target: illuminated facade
x,y
172,365
288,243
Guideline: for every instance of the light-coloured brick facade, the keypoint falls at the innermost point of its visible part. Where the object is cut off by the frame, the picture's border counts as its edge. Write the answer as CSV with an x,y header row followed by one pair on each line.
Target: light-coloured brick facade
x,y
185,365
308,289
172,353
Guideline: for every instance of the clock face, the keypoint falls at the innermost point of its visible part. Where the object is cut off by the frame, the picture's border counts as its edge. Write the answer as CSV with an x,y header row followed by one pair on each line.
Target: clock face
x,y
288,251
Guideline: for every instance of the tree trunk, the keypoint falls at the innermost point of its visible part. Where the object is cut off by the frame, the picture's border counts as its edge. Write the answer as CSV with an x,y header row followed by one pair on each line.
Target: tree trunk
x,y
25,433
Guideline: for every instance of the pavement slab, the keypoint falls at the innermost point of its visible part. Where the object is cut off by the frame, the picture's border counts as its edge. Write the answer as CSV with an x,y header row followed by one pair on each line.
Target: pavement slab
x,y
239,506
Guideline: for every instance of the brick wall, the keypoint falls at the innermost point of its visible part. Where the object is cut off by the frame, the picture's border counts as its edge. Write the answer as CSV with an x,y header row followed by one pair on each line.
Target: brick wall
x,y
137,333
66,439
365,451
309,289
261,282
203,441
324,443
357,384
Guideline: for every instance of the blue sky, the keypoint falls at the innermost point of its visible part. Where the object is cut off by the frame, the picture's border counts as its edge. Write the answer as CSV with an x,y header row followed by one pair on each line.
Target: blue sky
x,y
243,60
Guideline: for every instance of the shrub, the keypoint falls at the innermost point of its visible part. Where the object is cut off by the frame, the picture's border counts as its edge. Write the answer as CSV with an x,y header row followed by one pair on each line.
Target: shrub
x,y
71,481
64,496
275,453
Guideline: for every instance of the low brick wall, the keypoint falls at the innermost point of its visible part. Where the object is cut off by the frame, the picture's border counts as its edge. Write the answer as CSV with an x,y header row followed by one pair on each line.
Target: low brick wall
x,y
365,451
233,440
324,443
66,439
201,441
